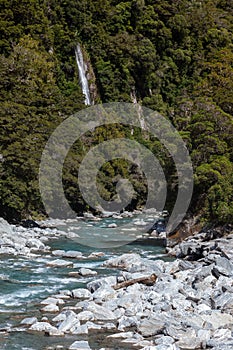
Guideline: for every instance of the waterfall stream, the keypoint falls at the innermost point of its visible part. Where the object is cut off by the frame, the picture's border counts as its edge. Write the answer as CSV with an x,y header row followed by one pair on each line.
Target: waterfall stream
x,y
82,74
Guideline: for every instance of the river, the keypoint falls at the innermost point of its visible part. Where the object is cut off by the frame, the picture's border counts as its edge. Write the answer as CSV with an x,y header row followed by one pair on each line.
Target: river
x,y
25,281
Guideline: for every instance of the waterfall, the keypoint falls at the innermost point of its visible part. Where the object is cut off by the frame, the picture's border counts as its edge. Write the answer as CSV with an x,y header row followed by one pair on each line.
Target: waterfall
x,y
82,74
139,109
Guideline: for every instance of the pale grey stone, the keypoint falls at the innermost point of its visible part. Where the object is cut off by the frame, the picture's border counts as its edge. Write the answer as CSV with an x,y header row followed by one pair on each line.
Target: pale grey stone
x,y
81,293
42,327
126,322
80,345
124,261
59,263
64,315
165,339
72,254
85,316
87,272
68,323
94,285
35,243
100,312
189,343
29,321
50,308
58,252
104,292
51,300
79,329
218,319
5,228
150,327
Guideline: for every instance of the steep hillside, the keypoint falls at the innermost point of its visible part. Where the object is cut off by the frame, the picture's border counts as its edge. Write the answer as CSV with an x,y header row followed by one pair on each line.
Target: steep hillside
x,y
175,57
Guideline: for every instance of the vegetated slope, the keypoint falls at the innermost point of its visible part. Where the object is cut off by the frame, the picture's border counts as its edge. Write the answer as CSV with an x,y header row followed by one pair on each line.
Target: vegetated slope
x,y
174,56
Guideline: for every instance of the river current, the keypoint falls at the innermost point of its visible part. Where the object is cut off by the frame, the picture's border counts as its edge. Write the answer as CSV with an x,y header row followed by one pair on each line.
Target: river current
x,y
25,282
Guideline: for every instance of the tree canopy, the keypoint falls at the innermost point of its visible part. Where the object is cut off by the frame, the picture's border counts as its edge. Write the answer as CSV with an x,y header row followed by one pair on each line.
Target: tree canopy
x,y
175,57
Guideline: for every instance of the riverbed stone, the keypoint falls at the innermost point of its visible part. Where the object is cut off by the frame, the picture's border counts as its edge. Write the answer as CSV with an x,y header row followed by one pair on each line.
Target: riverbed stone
x,y
105,292
93,326
94,285
8,250
79,329
5,228
52,300
125,261
35,243
51,308
42,327
72,254
164,339
85,316
29,321
62,316
80,345
87,272
150,327
60,263
81,293
217,319
186,343
58,252
100,312
70,321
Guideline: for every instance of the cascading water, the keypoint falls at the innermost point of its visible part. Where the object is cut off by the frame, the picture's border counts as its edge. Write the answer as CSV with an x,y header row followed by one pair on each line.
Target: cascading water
x,y
82,74
139,109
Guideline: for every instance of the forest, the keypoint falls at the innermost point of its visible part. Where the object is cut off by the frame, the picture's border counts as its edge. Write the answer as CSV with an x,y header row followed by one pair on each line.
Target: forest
x,y
172,56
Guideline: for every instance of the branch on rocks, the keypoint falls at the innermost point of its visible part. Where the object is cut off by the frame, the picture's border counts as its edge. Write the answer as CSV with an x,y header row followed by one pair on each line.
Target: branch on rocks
x,y
149,281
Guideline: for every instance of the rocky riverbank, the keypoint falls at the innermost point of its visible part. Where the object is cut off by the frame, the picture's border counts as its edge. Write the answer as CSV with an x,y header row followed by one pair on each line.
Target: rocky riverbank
x,y
18,240
188,306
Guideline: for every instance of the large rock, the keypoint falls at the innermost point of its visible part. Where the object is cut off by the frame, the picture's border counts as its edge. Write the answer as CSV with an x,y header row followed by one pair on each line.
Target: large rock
x,y
106,281
125,261
224,266
85,316
69,323
127,322
51,308
81,293
218,320
5,228
59,263
51,300
79,329
73,254
187,343
224,301
150,327
104,293
8,250
42,327
80,345
87,272
35,243
100,313
64,315
28,321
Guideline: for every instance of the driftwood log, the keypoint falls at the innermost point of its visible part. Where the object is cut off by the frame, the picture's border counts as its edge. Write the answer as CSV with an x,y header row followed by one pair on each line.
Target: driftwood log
x,y
149,281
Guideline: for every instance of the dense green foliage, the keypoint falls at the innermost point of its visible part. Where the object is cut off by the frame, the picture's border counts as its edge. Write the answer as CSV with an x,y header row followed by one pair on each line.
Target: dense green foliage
x,y
175,56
